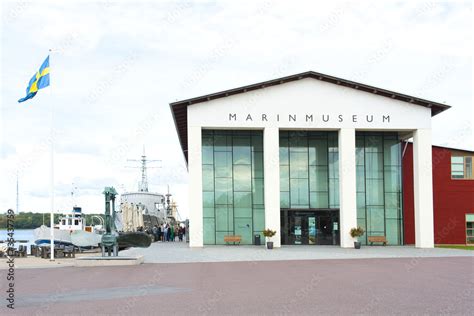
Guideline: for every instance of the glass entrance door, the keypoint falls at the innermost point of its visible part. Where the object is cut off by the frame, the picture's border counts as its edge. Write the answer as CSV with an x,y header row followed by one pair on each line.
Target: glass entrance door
x,y
318,227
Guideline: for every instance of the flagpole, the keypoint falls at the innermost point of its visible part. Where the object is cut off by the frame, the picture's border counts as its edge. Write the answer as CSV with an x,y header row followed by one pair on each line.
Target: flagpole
x,y
52,164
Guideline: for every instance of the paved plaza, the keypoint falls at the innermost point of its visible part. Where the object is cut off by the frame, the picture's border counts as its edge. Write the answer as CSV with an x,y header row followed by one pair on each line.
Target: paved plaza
x,y
436,285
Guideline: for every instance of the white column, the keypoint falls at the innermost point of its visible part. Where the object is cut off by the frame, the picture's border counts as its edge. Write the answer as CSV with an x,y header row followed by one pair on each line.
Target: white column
x,y
423,188
271,162
195,186
347,186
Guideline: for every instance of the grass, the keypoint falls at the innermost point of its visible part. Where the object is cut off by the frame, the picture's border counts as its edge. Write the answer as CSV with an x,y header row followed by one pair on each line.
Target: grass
x,y
462,247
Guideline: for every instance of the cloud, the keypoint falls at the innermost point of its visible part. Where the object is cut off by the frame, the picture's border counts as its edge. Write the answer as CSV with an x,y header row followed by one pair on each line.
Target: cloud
x,y
117,65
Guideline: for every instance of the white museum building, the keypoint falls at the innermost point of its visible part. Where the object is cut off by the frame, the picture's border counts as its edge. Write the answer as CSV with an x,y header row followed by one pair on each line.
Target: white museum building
x,y
310,156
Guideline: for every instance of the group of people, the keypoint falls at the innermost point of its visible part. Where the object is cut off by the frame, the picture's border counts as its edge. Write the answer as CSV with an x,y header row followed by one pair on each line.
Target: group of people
x,y
167,232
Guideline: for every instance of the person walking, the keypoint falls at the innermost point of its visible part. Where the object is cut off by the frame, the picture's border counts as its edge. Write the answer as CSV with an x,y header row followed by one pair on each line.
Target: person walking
x,y
172,232
168,232
163,233
180,233
159,233
155,233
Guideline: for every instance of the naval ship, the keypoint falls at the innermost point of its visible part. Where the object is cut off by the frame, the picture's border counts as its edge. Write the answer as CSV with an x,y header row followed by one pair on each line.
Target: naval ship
x,y
142,209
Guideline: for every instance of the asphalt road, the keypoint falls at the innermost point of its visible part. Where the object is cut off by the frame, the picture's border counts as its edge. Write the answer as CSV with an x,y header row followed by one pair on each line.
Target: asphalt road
x,y
359,286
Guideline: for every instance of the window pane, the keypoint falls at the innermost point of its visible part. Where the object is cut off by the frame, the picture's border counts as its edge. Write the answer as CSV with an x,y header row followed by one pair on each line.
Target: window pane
x,y
209,237
284,199
242,212
318,152
375,221
207,150
257,167
299,165
258,191
259,220
222,219
318,176
208,177
284,178
333,193
374,194
392,179
298,142
299,193
456,167
360,178
208,212
391,200
242,178
241,150
208,199
223,164
257,142
360,200
222,142
392,213
391,152
393,231
223,191
319,199
374,165
468,162
373,144
284,151
242,199
458,159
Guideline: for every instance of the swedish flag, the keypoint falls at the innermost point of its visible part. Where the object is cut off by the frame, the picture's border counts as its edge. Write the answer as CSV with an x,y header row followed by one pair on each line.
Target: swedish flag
x,y
39,81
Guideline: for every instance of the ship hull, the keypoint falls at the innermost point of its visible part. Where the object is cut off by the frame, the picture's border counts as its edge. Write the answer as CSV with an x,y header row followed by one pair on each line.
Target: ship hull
x,y
77,238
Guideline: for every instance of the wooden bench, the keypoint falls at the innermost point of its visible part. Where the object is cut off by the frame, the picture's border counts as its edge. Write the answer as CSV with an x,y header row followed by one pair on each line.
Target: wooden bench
x,y
231,238
381,239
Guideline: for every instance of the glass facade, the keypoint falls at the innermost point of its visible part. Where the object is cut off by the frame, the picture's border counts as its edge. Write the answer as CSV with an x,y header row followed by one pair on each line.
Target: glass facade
x,y
233,192
379,186
309,170
233,201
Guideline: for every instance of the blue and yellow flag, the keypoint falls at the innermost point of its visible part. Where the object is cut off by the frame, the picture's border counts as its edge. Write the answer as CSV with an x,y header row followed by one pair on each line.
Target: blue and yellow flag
x,y
39,81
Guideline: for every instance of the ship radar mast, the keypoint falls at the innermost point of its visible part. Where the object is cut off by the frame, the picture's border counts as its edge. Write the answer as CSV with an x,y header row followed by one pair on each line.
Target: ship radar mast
x,y
143,184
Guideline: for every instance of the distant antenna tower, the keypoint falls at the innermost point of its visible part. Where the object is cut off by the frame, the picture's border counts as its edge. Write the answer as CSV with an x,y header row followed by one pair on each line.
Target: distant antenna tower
x,y
17,195
143,185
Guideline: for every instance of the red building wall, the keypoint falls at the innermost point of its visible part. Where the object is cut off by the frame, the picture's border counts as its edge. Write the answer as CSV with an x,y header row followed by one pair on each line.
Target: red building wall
x,y
452,199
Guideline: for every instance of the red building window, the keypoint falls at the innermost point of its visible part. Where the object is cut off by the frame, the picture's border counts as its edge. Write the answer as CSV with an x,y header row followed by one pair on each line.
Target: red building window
x,y
470,229
461,167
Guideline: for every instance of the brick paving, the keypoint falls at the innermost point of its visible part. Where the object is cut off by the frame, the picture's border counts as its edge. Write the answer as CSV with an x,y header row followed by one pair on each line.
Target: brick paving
x,y
418,285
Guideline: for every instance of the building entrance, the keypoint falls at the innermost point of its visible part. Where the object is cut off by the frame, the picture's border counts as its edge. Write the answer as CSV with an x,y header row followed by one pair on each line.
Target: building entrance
x,y
310,227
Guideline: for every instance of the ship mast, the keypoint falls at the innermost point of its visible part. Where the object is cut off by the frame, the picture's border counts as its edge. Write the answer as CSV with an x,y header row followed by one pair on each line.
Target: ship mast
x,y
143,184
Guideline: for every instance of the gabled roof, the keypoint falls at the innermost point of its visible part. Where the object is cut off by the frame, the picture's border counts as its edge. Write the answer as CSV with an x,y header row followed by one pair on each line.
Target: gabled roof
x,y
180,114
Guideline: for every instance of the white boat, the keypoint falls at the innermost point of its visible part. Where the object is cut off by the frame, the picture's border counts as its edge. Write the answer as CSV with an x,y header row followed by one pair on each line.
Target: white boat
x,y
71,231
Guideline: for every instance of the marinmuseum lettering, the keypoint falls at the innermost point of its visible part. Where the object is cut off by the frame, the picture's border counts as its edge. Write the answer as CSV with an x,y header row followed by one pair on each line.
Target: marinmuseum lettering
x,y
355,118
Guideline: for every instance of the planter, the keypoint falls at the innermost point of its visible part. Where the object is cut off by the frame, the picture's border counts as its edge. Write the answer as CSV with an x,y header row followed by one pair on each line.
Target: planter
x,y
269,244
357,244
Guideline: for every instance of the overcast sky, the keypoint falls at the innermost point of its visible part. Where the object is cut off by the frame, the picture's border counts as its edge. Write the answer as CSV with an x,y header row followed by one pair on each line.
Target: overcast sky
x,y
116,66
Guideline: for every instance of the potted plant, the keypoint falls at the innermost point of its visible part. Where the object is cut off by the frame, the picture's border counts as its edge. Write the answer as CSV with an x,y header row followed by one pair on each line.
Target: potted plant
x,y
356,233
268,233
